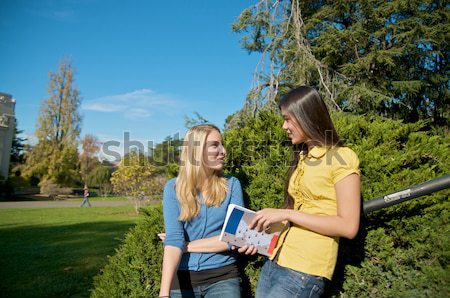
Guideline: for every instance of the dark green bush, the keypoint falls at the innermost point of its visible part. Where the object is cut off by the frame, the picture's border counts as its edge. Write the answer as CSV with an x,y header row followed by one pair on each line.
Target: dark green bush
x,y
406,248
402,251
134,271
6,188
257,155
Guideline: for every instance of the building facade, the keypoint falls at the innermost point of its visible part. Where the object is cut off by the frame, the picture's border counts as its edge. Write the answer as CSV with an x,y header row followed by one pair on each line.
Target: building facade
x,y
7,125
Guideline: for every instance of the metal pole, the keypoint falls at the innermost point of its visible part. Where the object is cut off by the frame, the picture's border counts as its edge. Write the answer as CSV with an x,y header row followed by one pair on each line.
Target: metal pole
x,y
407,194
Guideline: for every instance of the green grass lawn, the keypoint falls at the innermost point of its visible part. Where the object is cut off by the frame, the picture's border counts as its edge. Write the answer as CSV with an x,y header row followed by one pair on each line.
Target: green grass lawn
x,y
55,252
106,199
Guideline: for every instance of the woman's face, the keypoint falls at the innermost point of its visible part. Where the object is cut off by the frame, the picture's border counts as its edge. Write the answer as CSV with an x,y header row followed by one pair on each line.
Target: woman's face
x,y
292,127
214,152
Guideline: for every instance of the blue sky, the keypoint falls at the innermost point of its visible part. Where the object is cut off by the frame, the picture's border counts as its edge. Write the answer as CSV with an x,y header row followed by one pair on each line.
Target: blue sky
x,y
141,66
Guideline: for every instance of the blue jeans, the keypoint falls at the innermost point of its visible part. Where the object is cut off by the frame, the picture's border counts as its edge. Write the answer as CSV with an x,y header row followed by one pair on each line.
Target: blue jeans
x,y
280,282
228,288
86,200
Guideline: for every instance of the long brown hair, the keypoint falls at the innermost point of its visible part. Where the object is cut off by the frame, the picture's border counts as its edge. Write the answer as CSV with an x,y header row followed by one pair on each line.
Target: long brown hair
x,y
305,105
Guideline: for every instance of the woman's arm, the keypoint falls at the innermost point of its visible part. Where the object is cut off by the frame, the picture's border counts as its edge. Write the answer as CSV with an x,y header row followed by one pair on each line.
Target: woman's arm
x,y
171,260
344,224
213,245
174,243
207,245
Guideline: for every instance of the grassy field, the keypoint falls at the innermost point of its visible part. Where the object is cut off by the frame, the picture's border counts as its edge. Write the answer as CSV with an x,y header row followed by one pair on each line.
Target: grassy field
x,y
103,199
55,252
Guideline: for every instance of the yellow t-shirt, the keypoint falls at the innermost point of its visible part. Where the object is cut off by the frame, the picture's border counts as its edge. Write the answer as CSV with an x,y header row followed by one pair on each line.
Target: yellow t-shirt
x,y
312,188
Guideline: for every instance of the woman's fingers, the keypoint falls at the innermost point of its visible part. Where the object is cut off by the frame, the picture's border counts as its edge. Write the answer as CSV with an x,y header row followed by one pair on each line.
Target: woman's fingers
x,y
266,226
242,250
261,224
257,222
162,236
262,219
247,250
254,222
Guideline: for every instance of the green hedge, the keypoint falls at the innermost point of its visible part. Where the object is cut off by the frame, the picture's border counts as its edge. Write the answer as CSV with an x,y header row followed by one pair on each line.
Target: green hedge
x,y
405,252
135,268
401,251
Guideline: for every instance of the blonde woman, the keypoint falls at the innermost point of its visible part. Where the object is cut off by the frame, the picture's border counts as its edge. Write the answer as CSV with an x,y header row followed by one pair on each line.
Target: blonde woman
x,y
196,263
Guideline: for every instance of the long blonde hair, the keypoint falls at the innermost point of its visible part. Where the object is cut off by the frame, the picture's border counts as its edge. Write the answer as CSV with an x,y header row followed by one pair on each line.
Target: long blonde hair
x,y
193,175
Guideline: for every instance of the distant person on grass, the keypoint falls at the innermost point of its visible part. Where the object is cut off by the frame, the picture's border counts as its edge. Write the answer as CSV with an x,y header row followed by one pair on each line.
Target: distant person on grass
x,y
195,262
86,197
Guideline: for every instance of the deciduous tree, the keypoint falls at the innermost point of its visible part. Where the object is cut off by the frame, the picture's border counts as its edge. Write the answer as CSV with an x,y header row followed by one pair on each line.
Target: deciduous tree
x,y
55,155
88,162
137,179
100,178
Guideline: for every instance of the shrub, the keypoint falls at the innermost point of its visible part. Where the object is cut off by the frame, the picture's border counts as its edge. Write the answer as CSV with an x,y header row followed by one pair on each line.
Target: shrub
x,y
134,271
405,251
53,190
6,188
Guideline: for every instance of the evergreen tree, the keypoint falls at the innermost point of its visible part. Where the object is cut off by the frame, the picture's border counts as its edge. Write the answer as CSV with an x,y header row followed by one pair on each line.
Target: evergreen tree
x,y
55,156
17,147
166,152
365,55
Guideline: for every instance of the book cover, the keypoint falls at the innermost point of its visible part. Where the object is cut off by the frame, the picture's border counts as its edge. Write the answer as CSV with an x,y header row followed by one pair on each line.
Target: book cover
x,y
235,231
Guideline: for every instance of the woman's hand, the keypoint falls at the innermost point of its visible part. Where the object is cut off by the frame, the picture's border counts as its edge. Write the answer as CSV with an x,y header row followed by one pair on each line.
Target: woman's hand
x,y
264,218
162,236
247,250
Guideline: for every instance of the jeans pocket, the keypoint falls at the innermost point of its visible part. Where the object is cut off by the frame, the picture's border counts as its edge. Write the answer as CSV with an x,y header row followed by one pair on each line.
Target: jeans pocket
x,y
317,286
309,286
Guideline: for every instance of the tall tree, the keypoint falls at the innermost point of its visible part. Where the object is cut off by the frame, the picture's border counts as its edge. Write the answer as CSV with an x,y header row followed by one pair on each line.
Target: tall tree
x,y
166,152
90,146
100,177
55,155
364,55
18,147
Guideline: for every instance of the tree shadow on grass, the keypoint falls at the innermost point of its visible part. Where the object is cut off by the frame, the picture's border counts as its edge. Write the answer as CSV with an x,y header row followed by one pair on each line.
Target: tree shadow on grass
x,y
56,260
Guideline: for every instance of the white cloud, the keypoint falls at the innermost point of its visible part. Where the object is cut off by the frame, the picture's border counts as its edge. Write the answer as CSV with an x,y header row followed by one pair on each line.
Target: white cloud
x,y
102,107
138,112
139,103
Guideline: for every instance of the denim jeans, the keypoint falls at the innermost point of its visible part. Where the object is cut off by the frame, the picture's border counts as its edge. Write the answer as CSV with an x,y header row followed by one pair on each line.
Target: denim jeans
x,y
86,200
228,288
280,282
